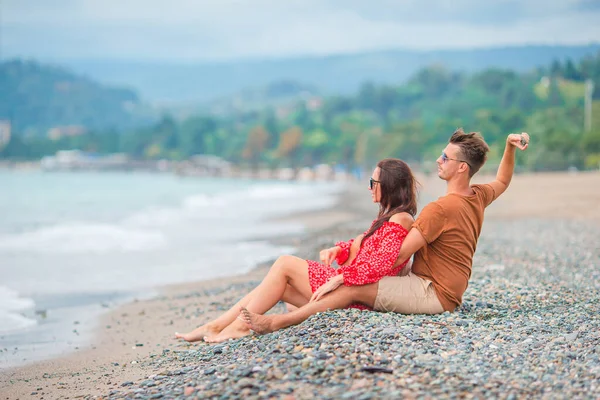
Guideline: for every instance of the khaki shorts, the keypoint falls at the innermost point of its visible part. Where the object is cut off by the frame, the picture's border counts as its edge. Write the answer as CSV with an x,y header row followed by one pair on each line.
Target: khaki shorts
x,y
408,294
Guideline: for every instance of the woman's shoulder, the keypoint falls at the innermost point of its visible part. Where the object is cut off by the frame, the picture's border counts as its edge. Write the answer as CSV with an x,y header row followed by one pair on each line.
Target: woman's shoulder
x,y
404,219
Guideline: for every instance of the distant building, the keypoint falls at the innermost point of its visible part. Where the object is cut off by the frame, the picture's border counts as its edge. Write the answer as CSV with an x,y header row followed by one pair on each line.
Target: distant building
x,y
204,165
65,131
314,103
4,133
283,111
79,160
545,81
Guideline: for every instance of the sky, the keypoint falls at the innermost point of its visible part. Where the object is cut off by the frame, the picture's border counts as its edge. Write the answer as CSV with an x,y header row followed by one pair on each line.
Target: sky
x,y
211,30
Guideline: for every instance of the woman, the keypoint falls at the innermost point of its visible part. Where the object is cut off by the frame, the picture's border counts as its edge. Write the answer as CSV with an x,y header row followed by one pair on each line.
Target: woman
x,y
297,281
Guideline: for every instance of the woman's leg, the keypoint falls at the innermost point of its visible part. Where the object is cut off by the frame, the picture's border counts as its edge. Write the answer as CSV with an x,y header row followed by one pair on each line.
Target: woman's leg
x,y
285,269
291,296
354,249
340,298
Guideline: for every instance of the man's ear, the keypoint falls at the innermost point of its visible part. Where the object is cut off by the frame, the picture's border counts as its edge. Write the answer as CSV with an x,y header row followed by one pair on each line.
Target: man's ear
x,y
463,167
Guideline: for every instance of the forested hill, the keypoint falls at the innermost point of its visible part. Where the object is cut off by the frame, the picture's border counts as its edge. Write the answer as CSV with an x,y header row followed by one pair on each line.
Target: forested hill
x,y
171,82
36,98
411,121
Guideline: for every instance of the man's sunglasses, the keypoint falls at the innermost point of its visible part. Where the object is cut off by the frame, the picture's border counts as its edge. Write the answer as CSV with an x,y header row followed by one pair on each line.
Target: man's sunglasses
x,y
372,183
446,158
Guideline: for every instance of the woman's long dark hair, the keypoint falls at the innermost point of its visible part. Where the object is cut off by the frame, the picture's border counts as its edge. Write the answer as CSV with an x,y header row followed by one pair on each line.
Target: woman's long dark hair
x,y
398,188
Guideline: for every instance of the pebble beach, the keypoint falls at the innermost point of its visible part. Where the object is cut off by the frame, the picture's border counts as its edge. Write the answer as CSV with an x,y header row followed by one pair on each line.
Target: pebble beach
x,y
528,326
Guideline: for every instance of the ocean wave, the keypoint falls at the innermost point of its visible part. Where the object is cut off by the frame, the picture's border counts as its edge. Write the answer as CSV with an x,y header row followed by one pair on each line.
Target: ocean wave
x,y
11,307
154,216
11,322
254,202
296,190
10,300
201,200
276,192
83,238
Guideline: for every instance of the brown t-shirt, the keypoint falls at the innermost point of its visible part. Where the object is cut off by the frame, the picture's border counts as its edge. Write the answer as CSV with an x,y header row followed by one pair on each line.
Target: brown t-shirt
x,y
451,226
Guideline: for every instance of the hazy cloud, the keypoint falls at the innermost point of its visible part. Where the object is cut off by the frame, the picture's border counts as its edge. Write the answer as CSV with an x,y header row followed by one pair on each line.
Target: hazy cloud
x,y
225,29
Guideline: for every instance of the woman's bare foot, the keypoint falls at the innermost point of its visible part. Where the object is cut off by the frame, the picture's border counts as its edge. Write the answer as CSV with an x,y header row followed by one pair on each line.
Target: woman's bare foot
x,y
199,333
261,324
235,330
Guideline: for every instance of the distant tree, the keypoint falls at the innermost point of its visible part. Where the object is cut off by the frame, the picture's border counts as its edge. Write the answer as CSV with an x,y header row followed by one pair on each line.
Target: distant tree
x,y
269,121
436,80
40,97
557,134
367,95
166,134
255,145
494,80
316,144
411,121
405,141
556,68
591,142
15,149
197,135
289,144
555,97
571,71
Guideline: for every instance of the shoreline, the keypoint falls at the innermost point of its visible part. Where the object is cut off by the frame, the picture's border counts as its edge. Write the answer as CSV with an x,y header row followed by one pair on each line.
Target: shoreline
x,y
135,340
61,323
121,337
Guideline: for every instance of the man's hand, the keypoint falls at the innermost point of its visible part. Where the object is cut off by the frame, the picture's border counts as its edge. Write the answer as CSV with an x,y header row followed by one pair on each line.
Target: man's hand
x,y
520,141
507,164
328,287
328,256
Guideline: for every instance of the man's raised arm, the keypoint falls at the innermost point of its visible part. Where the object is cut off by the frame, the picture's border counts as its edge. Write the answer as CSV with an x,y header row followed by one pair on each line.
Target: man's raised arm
x,y
507,164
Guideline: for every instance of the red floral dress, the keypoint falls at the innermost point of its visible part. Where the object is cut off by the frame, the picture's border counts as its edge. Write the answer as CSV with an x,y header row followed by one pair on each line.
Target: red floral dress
x,y
374,260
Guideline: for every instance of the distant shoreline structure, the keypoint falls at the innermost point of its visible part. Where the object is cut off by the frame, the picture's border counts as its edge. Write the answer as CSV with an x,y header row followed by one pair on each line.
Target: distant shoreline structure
x,y
206,165
195,166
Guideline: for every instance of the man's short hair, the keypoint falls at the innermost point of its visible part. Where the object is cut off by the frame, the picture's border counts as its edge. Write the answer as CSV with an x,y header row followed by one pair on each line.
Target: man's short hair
x,y
473,149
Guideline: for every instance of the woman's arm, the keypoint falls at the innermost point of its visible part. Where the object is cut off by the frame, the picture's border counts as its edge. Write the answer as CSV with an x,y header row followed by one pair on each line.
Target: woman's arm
x,y
392,235
354,248
344,251
388,241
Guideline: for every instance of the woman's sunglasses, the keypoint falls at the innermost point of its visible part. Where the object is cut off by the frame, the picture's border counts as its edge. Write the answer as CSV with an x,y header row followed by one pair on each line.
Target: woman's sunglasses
x,y
372,183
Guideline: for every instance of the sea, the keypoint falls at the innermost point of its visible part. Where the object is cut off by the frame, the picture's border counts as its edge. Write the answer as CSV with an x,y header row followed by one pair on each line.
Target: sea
x,y
76,244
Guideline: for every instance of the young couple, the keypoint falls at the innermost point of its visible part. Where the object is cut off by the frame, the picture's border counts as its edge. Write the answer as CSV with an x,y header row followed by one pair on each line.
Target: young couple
x,y
372,272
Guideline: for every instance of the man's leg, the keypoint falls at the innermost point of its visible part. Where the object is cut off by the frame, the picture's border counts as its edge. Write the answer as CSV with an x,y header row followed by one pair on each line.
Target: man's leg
x,y
340,298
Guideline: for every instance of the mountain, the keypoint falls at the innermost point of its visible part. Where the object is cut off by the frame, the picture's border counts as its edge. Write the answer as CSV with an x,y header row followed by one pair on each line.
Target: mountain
x,y
170,82
37,98
275,94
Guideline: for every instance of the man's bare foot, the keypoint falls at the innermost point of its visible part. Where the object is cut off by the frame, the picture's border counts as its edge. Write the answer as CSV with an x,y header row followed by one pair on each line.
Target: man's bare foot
x,y
199,333
261,324
235,330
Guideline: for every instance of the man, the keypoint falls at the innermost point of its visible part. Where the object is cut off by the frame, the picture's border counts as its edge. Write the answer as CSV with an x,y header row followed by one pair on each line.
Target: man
x,y
443,240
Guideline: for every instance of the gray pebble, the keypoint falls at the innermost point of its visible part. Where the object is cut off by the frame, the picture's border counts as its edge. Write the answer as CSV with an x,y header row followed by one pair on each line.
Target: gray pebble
x,y
526,330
